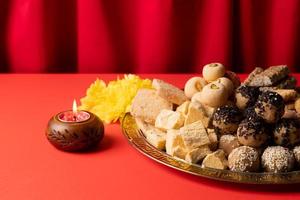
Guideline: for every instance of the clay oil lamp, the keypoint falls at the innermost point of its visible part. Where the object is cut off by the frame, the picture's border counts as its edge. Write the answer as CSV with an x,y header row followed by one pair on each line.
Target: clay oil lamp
x,y
75,130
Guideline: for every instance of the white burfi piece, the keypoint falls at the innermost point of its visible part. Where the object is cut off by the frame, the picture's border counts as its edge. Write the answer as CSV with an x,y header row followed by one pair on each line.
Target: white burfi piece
x,y
173,139
194,135
168,119
183,108
216,160
157,139
197,154
196,113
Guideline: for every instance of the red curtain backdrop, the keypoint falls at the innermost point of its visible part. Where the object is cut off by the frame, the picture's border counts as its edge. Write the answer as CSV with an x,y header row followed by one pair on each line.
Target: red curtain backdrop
x,y
147,36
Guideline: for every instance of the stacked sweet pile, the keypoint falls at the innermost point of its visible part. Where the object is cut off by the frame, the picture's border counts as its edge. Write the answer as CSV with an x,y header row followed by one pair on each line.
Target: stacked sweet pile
x,y
220,123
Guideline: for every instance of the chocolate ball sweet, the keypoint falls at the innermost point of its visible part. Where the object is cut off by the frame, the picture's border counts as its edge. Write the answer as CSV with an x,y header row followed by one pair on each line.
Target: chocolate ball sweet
x,y
75,136
246,96
277,159
286,133
226,119
252,133
244,159
269,106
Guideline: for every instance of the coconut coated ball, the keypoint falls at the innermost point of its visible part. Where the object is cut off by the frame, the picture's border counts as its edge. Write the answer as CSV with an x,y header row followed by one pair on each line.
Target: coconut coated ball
x,y
296,152
228,143
277,159
244,159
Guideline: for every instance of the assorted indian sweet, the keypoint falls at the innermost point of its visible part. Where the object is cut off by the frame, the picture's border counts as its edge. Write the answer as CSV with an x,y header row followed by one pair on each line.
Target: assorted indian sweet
x,y
219,122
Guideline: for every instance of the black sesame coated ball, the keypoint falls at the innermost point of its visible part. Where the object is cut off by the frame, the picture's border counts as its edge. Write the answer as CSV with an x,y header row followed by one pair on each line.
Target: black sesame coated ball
x,y
250,114
226,119
246,96
269,106
286,133
252,132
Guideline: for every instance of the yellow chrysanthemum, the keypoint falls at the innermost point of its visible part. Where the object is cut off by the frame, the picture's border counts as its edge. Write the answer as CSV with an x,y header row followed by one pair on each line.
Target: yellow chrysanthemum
x,y
111,102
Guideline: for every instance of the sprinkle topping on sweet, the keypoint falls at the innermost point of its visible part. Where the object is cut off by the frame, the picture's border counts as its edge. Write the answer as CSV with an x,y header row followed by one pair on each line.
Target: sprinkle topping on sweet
x,y
277,159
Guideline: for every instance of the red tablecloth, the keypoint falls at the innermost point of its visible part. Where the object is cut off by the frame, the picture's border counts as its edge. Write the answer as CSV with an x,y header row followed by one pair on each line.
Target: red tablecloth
x,y
31,168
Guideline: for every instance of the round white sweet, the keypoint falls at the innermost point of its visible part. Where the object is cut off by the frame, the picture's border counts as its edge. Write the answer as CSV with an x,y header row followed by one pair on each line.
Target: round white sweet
x,y
214,95
213,71
227,83
194,85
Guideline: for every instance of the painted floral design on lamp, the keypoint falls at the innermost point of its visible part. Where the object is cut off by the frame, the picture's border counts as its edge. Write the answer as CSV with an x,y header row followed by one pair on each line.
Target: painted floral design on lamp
x,y
75,130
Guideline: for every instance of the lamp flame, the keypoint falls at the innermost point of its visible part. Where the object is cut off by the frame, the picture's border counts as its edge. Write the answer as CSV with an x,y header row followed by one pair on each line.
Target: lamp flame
x,y
74,106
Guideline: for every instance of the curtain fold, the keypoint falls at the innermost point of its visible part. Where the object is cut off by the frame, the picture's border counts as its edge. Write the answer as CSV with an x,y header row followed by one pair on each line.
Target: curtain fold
x,y
147,36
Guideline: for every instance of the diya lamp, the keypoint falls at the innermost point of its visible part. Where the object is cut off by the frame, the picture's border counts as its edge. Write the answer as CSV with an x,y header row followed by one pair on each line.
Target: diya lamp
x,y
75,130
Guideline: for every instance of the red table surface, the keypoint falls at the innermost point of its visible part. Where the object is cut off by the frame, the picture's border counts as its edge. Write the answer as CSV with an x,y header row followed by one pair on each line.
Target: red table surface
x,y
31,168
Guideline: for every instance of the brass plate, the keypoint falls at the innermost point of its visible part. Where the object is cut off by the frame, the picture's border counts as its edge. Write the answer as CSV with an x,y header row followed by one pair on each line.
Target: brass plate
x,y
137,140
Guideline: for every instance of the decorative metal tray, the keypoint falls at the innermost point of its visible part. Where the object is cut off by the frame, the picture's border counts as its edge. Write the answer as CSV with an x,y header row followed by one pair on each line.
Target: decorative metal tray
x,y
138,141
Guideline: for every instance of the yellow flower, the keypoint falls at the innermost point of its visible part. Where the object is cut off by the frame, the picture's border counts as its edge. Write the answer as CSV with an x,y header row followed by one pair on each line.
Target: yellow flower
x,y
111,102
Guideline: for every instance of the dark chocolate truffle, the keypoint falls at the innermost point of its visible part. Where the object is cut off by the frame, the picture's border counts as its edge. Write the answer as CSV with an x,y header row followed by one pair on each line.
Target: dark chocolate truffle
x,y
269,106
226,119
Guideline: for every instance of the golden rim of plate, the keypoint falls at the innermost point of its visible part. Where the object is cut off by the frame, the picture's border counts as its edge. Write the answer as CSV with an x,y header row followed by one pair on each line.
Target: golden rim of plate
x,y
136,138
